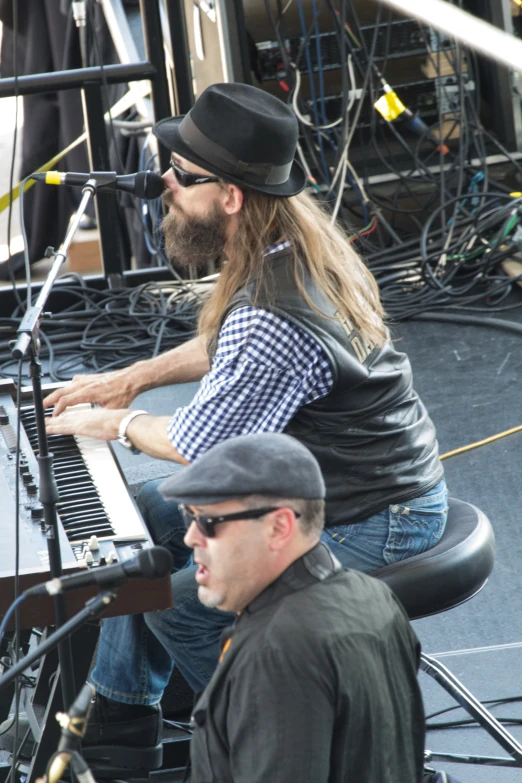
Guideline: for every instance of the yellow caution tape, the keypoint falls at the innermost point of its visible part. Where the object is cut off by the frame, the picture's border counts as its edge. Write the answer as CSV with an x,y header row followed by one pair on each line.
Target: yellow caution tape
x,y
5,199
138,90
390,106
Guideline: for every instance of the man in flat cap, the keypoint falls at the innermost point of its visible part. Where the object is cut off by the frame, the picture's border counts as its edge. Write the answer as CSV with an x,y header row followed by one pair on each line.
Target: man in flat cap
x,y
291,340
317,677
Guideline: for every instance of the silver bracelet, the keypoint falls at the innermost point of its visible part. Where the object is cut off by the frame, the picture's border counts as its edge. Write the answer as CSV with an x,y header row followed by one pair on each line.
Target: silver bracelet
x,y
122,430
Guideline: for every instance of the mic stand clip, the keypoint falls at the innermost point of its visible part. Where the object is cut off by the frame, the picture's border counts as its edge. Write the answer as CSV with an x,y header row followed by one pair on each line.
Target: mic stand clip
x,y
73,725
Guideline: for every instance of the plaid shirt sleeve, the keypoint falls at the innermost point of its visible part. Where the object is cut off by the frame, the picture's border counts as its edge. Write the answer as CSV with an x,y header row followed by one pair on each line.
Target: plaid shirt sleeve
x,y
264,370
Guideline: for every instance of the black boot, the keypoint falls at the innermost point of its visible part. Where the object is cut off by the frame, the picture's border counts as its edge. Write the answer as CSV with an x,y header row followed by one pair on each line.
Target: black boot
x,y
123,735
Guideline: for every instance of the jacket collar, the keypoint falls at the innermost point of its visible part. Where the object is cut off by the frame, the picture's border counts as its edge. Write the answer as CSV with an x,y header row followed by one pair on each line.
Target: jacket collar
x,y
315,566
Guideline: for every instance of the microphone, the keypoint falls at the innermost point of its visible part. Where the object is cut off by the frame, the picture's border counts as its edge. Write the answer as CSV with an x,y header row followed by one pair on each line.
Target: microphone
x,y
143,184
148,564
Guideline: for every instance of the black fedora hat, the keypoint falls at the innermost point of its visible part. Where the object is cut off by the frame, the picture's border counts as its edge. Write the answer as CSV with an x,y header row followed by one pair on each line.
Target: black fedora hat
x,y
239,133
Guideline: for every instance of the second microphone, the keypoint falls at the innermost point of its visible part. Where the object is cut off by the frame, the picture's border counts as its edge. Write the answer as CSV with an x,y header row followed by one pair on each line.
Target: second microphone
x,y
149,564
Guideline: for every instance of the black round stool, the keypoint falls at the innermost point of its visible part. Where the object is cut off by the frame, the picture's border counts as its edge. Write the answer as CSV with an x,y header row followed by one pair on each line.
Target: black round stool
x,y
437,580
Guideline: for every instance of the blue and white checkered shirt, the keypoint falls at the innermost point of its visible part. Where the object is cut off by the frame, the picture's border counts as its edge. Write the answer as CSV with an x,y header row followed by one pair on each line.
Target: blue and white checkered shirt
x,y
265,369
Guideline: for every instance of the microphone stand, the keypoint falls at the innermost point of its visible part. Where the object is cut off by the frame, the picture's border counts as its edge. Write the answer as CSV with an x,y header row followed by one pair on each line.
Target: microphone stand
x,y
93,608
28,341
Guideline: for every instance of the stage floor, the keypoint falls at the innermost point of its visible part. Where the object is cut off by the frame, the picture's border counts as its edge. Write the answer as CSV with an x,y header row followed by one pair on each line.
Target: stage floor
x,y
469,378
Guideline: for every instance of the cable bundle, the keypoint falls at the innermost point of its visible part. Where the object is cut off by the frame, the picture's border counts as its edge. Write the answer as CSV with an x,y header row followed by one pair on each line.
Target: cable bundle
x,y
436,233
455,268
105,330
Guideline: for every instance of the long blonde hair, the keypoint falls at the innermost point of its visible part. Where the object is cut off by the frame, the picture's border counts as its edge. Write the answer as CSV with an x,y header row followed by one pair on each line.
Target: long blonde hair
x,y
330,261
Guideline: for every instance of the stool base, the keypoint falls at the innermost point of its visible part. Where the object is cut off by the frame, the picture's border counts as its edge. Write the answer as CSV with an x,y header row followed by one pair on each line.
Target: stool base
x,y
473,707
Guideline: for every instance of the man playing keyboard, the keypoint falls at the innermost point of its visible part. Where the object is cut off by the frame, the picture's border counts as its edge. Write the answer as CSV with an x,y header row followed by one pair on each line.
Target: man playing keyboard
x,y
292,340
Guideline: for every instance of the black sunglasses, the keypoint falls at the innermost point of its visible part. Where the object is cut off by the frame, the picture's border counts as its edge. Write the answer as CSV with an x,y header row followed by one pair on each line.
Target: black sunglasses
x,y
186,180
206,525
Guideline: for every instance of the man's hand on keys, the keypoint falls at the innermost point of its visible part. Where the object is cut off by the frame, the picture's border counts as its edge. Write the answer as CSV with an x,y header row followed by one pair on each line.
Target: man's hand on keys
x,y
110,390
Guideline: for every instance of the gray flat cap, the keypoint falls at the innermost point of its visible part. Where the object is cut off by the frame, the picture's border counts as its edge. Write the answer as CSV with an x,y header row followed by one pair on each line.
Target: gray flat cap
x,y
259,464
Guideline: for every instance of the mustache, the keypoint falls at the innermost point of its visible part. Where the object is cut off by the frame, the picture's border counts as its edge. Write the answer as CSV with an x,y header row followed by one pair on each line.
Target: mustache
x,y
167,198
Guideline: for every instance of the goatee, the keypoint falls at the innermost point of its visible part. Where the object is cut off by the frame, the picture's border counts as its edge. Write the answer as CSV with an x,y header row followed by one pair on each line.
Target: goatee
x,y
194,241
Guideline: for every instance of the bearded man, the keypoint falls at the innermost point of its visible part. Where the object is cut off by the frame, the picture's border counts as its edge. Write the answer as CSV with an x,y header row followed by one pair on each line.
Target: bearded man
x,y
292,340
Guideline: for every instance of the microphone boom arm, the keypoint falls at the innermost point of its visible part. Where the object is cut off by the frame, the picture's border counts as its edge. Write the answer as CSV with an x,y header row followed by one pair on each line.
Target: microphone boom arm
x,y
28,329
92,609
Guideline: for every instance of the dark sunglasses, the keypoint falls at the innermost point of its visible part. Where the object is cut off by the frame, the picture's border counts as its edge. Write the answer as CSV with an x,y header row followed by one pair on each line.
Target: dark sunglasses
x,y
206,525
186,180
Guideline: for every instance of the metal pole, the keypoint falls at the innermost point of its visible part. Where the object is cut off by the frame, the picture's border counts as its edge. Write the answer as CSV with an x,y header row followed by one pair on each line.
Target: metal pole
x,y
233,41
70,80
181,55
107,214
154,50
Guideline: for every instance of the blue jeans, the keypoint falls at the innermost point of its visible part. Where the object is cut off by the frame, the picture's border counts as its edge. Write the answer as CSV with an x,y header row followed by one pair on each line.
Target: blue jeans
x,y
136,653
397,532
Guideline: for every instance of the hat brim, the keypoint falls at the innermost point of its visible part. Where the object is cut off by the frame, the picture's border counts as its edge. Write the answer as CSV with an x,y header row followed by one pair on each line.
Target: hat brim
x,y
167,132
196,500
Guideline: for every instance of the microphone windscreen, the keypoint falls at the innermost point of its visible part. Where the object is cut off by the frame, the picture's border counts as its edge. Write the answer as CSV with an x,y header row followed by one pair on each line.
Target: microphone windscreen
x,y
148,185
155,562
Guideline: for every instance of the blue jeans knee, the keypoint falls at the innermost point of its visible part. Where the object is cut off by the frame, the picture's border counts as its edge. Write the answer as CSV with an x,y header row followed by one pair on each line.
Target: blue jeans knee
x,y
164,522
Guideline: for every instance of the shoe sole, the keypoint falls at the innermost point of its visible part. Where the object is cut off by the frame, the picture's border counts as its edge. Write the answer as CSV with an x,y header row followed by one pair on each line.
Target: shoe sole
x,y
125,757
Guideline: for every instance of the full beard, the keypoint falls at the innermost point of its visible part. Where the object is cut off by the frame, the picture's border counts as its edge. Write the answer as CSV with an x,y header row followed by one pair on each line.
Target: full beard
x,y
193,241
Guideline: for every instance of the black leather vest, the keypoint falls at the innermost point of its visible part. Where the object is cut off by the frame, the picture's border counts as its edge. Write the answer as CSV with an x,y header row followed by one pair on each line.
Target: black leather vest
x,y
371,434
